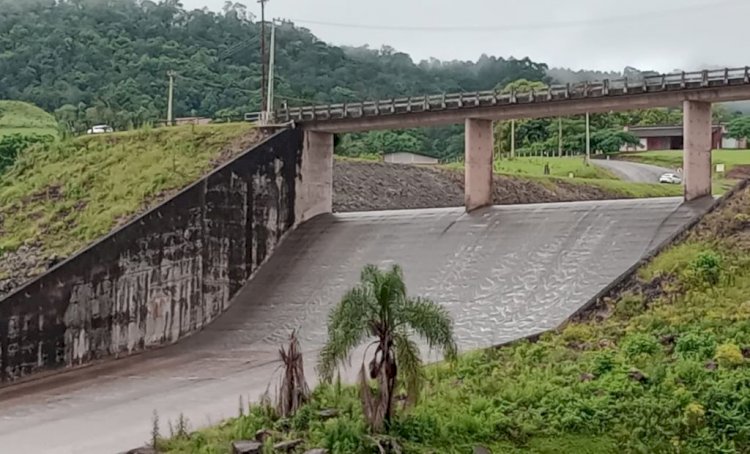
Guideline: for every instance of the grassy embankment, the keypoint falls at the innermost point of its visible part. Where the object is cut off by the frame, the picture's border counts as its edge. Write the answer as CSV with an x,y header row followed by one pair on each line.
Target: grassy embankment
x,y
584,175
25,119
672,159
661,368
63,195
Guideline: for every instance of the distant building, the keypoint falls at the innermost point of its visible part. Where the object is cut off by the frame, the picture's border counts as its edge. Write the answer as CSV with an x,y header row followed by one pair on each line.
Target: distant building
x,y
667,137
403,157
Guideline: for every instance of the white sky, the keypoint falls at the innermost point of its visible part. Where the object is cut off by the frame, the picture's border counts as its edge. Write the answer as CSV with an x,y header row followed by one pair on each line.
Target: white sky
x,y
581,34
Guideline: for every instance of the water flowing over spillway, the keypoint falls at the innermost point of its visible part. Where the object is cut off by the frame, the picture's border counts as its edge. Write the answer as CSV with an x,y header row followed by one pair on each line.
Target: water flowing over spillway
x,y
502,272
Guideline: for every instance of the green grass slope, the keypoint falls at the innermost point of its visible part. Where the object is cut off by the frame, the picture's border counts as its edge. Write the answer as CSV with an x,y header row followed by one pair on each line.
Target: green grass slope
x,y
59,197
22,118
663,367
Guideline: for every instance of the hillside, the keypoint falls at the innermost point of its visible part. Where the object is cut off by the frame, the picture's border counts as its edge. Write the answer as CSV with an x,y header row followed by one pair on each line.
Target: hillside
x,y
58,198
661,366
23,118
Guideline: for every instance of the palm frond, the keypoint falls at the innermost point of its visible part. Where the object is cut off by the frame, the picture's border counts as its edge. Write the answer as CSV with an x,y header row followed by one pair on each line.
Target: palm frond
x,y
431,322
347,328
409,364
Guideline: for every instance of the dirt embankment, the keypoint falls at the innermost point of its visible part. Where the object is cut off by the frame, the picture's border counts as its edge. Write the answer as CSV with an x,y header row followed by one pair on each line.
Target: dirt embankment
x,y
368,186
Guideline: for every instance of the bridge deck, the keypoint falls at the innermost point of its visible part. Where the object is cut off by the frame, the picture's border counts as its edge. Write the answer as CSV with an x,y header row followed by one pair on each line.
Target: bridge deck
x,y
597,96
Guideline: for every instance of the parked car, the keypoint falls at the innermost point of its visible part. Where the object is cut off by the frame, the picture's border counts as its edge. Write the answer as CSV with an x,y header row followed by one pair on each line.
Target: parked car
x,y
670,178
100,129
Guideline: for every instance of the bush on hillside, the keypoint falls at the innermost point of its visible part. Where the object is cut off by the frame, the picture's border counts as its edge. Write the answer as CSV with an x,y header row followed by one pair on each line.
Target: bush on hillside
x,y
12,145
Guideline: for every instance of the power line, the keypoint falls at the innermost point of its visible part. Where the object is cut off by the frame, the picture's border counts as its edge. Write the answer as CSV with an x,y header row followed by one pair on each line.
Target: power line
x,y
527,26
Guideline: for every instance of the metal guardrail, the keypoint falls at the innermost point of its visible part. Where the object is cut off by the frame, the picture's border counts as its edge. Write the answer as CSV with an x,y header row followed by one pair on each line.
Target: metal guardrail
x,y
454,101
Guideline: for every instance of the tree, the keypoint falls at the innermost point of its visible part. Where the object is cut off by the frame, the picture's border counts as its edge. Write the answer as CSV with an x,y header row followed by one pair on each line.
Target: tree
x,y
380,308
612,141
739,128
502,129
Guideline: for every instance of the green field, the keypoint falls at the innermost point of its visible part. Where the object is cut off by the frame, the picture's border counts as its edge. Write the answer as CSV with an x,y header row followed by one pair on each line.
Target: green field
x,y
68,193
673,158
559,167
22,118
585,175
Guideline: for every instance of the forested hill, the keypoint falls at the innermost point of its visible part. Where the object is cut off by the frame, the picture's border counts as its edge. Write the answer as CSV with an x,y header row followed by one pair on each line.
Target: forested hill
x,y
107,61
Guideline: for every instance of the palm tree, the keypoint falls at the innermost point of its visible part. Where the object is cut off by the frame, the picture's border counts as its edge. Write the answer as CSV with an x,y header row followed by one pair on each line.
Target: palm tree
x,y
379,308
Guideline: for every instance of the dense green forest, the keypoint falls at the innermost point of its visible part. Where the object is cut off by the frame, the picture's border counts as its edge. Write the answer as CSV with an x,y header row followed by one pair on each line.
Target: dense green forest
x,y
106,61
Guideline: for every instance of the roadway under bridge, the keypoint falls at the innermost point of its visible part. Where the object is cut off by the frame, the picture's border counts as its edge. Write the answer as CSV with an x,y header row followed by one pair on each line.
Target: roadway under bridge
x,y
502,272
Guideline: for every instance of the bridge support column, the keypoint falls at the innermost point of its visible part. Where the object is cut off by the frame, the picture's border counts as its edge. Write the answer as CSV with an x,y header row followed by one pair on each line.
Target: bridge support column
x,y
314,187
478,163
697,149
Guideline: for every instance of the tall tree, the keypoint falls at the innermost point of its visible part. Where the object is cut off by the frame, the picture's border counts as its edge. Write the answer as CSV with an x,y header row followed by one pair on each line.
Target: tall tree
x,y
380,311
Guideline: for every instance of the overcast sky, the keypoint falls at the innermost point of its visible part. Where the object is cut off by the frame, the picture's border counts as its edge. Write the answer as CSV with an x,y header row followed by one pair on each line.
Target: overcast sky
x,y
593,34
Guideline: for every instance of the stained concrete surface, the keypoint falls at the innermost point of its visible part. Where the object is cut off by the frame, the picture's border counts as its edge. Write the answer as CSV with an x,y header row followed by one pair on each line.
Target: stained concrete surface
x,y
502,272
633,171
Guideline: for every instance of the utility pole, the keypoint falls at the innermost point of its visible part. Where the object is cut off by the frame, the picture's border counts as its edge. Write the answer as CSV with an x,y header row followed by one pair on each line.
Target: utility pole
x,y
170,97
588,138
272,58
512,139
262,54
559,137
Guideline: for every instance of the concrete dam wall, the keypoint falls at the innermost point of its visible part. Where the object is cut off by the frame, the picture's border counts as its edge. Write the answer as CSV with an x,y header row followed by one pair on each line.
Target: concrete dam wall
x,y
161,277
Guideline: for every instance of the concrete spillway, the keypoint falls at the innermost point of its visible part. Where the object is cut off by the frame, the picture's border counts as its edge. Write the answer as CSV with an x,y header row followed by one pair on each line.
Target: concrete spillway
x,y
502,272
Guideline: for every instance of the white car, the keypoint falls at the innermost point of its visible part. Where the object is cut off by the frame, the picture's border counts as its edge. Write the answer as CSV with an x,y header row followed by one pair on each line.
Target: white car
x,y
670,178
100,129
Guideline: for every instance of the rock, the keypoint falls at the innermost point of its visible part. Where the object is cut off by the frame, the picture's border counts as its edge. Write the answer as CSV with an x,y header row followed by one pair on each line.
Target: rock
x,y
247,447
287,445
262,435
316,451
711,365
586,377
328,413
479,449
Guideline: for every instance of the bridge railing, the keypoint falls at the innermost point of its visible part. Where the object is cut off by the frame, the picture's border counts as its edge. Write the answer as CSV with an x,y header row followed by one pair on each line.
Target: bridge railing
x,y
452,101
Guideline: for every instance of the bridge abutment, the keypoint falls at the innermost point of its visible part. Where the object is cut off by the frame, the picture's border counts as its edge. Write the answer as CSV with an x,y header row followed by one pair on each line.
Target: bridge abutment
x,y
314,188
478,163
697,149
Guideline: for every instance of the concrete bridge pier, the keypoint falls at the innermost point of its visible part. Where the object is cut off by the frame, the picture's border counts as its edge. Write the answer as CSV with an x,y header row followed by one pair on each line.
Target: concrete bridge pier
x,y
314,186
697,149
478,163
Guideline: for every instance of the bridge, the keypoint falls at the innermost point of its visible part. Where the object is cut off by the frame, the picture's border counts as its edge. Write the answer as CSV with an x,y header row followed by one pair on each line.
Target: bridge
x,y
694,91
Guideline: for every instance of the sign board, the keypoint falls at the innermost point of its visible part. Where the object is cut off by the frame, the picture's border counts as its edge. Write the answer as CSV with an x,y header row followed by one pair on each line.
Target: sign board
x,y
719,168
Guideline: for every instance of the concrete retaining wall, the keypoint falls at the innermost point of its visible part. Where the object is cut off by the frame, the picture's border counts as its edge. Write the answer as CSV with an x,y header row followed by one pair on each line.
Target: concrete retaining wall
x,y
162,276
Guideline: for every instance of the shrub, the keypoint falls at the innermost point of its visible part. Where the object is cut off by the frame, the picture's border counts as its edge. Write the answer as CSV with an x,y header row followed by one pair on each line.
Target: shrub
x,y
640,344
695,345
603,362
693,416
12,145
729,355
706,268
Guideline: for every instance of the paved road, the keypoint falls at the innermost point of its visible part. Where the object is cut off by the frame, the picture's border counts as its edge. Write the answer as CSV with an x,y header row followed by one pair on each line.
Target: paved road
x,y
633,171
503,273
